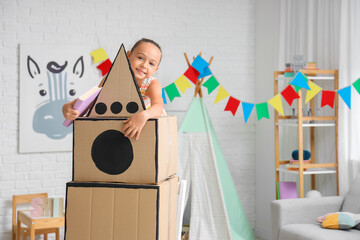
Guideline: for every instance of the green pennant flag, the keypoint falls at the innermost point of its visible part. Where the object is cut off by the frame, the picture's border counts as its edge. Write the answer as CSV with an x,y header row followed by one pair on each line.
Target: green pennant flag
x,y
357,85
172,91
211,84
262,110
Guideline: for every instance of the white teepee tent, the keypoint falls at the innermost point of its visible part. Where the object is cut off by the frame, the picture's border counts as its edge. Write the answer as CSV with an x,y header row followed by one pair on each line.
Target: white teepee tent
x,y
216,211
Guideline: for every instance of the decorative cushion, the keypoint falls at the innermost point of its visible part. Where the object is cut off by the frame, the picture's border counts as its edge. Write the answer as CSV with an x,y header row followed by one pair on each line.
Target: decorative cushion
x,y
338,221
352,198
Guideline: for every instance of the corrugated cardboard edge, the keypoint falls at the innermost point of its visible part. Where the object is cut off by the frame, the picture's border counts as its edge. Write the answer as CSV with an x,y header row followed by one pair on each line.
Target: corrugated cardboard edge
x,y
170,195
133,77
156,151
170,159
156,180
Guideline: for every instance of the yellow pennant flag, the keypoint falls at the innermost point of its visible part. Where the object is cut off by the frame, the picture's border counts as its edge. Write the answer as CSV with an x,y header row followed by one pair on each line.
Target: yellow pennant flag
x,y
314,89
183,83
276,103
222,93
99,55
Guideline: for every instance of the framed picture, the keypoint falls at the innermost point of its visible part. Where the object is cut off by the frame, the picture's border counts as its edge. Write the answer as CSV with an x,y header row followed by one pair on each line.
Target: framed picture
x,y
50,75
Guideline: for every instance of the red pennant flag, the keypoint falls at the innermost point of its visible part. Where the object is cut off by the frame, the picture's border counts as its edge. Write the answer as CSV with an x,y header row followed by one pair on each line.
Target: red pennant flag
x,y
232,105
289,94
192,74
105,67
328,98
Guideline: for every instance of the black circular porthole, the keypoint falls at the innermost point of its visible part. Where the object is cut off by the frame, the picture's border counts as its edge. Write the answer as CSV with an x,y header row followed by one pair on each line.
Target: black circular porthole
x,y
132,107
100,108
116,107
112,152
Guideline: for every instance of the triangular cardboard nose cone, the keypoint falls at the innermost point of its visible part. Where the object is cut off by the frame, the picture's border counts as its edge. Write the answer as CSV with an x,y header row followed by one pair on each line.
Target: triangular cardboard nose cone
x,y
120,95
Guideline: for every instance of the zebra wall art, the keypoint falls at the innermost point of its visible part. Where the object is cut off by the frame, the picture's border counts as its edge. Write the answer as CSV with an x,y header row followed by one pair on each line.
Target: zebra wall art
x,y
50,76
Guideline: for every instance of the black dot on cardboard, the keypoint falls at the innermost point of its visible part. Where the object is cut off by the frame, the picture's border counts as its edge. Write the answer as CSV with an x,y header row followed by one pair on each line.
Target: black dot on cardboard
x,y
112,152
116,107
132,107
100,108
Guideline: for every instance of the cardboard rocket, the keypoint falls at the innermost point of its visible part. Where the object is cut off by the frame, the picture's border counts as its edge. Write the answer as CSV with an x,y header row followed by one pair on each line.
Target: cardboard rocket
x,y
122,188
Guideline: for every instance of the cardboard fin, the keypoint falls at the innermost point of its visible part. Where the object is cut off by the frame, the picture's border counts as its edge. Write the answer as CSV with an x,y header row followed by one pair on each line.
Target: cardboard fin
x,y
120,95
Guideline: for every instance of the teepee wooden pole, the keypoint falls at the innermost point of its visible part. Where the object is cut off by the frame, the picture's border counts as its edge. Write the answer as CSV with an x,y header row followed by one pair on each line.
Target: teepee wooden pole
x,y
200,82
187,60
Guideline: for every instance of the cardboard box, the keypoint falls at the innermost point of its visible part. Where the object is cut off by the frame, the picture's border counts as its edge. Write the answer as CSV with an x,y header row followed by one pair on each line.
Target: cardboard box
x,y
102,153
115,211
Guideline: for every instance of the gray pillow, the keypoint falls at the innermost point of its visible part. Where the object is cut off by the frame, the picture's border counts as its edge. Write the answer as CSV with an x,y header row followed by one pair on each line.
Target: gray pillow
x,y
352,198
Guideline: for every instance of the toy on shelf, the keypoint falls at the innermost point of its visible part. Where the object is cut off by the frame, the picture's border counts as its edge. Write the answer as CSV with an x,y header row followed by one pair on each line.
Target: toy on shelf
x,y
288,71
294,162
295,155
298,63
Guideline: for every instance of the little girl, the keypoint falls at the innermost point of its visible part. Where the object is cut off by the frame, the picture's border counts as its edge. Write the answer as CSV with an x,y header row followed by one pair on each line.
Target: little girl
x,y
144,58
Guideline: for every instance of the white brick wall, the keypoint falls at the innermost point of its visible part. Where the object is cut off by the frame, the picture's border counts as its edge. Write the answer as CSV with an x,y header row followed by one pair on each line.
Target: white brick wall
x,y
223,29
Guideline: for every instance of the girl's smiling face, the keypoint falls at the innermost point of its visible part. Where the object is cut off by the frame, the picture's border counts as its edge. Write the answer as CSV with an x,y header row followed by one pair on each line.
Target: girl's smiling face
x,y
144,60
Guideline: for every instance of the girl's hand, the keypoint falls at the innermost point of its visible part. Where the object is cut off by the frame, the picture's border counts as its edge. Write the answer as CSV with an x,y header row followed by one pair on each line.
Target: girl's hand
x,y
134,125
68,111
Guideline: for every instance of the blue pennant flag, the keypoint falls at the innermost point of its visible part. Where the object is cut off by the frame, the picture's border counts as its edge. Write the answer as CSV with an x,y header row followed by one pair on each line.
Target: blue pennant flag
x,y
247,108
200,64
300,81
345,94
206,73
164,96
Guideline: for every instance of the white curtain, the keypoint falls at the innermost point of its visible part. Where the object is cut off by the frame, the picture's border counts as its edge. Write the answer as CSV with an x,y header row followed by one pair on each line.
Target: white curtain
x,y
323,31
349,66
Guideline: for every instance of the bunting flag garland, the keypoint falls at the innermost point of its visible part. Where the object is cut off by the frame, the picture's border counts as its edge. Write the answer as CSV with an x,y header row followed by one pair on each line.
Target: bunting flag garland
x,y
192,74
328,98
345,94
172,91
182,83
99,55
262,110
232,105
164,96
211,84
276,103
300,81
247,108
222,93
200,69
289,94
105,67
357,85
314,89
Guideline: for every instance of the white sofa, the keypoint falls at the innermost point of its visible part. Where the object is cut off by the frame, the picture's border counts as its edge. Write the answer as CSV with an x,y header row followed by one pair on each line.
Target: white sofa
x,y
295,219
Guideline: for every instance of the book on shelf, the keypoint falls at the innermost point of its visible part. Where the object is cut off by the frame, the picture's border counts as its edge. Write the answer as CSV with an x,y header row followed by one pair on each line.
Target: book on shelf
x,y
296,166
83,103
287,190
